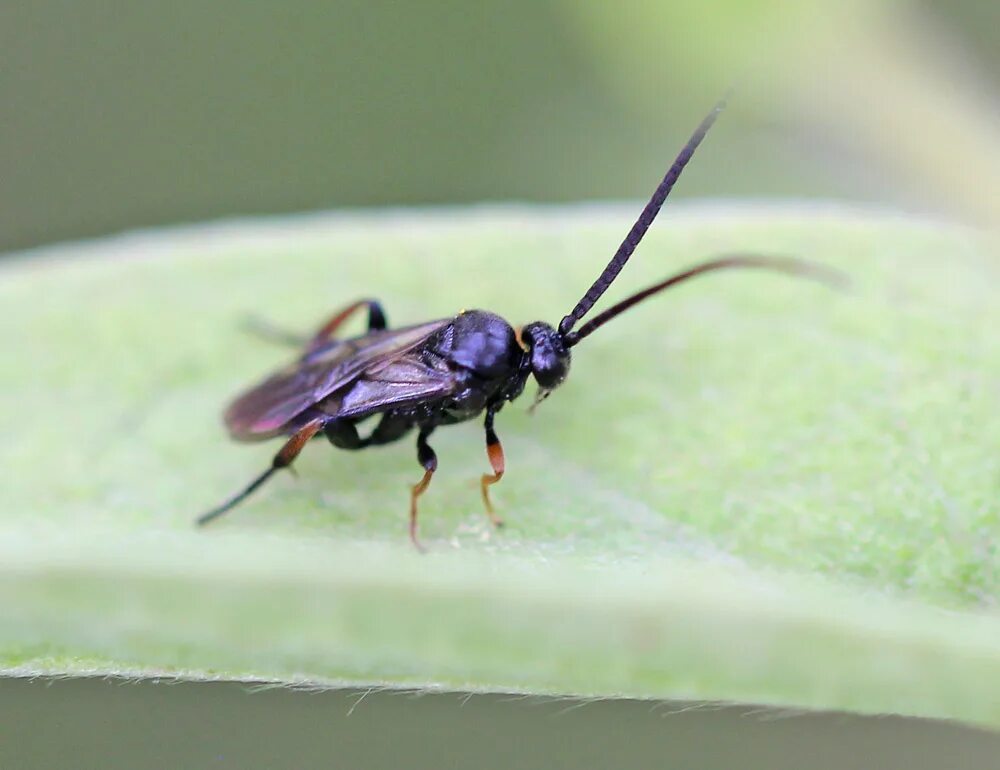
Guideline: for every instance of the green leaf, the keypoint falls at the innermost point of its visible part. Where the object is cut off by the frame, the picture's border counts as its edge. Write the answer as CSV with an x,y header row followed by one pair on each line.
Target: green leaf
x,y
752,488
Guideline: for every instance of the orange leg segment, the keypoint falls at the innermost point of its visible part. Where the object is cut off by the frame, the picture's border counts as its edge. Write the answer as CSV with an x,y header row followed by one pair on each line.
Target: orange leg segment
x,y
284,459
415,491
376,320
427,458
494,451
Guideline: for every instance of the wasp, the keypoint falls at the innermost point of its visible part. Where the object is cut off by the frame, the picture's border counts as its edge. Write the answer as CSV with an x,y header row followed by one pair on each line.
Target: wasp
x,y
447,371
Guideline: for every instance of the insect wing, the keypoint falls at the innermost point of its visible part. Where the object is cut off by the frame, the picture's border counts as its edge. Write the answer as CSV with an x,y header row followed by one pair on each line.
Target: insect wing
x,y
263,411
402,381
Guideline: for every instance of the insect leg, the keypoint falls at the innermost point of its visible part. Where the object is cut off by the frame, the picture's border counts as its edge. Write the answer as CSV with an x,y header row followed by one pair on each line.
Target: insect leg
x,y
390,428
427,458
376,322
286,455
343,434
494,450
271,333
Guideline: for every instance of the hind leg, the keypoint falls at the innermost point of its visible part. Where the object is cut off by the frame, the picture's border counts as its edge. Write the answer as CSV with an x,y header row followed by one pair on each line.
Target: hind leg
x,y
284,459
344,434
309,343
376,322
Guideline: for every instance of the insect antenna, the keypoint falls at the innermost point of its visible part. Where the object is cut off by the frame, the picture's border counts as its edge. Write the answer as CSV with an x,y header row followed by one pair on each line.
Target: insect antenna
x,y
642,224
796,267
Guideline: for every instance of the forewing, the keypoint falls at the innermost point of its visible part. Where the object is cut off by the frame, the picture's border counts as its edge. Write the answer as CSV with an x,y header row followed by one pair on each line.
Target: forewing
x,y
265,409
400,382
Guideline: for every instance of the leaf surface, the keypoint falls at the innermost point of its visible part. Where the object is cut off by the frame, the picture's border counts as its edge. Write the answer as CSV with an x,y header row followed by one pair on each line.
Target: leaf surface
x,y
751,489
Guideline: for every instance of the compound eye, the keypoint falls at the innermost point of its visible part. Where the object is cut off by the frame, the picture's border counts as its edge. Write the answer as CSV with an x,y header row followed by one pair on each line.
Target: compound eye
x,y
548,367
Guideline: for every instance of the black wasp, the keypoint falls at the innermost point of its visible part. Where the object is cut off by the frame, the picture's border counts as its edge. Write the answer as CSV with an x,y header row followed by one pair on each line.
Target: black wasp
x,y
446,371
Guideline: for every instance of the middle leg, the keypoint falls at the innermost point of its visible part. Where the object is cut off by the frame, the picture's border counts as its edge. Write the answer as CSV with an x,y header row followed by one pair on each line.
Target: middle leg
x,y
429,461
494,450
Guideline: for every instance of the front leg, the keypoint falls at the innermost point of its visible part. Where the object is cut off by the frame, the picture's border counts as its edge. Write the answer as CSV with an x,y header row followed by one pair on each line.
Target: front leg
x,y
494,450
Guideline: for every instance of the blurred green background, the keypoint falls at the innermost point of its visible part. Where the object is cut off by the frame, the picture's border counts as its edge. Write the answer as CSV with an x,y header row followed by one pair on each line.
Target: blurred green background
x,y
117,116
233,726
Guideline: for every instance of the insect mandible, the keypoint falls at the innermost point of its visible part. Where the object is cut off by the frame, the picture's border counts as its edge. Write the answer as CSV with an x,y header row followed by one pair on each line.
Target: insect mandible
x,y
446,371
